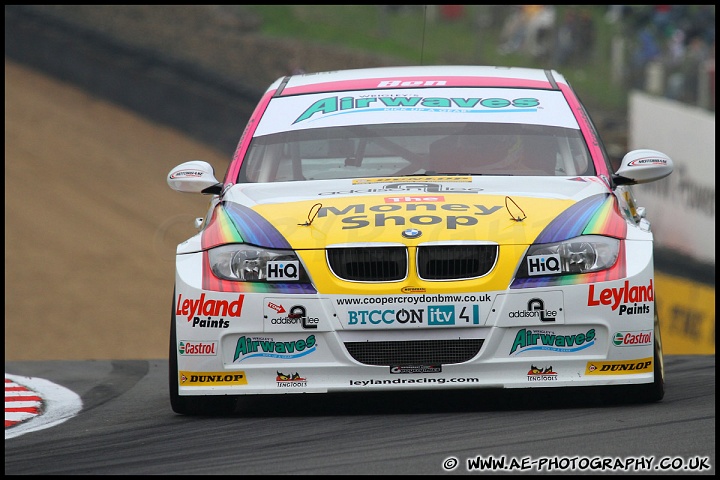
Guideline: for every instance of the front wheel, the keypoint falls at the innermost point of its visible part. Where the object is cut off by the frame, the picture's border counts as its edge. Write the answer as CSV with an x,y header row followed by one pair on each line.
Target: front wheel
x,y
652,392
197,405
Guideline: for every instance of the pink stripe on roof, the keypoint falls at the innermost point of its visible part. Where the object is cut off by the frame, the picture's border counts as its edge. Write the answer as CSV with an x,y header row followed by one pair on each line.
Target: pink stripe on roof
x,y
416,82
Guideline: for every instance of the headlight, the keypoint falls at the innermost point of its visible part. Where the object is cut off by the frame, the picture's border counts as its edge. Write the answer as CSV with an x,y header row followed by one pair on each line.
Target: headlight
x,y
584,254
248,263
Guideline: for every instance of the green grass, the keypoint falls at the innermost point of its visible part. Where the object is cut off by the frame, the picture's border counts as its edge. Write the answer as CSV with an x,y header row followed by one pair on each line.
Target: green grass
x,y
413,38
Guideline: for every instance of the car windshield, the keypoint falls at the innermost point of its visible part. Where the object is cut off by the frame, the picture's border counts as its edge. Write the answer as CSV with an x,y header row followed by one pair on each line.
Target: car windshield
x,y
463,148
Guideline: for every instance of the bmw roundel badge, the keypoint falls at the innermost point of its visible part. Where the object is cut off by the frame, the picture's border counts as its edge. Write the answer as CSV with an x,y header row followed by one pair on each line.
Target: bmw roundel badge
x,y
411,233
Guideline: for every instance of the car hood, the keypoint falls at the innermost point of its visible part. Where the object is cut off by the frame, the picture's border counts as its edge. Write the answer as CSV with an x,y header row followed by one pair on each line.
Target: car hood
x,y
411,211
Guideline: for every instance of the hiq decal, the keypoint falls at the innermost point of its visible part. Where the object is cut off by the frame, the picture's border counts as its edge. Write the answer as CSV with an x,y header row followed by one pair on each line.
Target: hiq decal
x,y
285,270
543,264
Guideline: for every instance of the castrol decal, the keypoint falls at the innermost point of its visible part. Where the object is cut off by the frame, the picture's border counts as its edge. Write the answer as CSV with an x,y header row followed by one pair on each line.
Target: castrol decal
x,y
200,348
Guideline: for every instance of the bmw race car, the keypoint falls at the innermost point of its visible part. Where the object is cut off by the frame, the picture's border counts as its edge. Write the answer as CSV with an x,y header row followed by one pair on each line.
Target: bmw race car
x,y
416,228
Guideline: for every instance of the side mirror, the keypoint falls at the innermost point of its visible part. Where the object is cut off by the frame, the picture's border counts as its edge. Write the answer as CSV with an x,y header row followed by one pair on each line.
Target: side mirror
x,y
643,166
195,176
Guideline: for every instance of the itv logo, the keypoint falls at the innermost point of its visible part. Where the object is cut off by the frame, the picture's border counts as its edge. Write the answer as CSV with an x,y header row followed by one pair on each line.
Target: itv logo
x,y
441,315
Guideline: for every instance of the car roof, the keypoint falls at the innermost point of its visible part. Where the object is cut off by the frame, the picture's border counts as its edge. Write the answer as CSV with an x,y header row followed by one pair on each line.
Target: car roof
x,y
418,76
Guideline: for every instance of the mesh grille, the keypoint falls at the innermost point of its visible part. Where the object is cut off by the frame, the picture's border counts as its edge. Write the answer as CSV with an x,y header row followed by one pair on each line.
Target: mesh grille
x,y
387,264
368,264
414,352
455,262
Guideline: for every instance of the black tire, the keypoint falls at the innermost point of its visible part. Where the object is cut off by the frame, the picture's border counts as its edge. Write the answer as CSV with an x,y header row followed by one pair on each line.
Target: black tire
x,y
652,392
200,405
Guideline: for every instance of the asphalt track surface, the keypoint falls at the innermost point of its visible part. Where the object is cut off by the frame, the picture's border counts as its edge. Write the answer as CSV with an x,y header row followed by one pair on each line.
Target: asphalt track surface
x,y
126,427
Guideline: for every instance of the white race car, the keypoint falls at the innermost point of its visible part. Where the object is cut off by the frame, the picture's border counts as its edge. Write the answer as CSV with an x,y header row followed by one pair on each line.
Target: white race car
x,y
407,228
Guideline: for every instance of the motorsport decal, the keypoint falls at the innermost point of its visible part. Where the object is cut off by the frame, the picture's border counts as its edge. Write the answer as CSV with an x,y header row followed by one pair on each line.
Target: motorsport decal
x,y
190,307
620,297
418,105
640,162
253,347
527,340
358,216
620,367
402,184
401,369
545,374
214,379
632,339
200,348
190,173
290,380
427,178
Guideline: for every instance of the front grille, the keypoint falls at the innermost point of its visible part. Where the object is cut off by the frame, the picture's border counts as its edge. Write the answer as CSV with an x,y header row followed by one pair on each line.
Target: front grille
x,y
414,352
455,262
368,264
390,264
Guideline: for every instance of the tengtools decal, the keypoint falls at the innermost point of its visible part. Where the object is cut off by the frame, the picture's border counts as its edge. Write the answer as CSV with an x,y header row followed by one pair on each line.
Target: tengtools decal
x,y
215,379
290,380
620,367
545,374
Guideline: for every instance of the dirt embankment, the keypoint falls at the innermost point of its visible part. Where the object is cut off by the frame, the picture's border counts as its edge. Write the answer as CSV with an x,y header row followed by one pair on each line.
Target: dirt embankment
x,y
90,223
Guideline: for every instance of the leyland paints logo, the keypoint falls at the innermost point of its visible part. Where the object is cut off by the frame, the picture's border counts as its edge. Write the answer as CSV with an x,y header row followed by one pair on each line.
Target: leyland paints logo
x,y
619,298
212,308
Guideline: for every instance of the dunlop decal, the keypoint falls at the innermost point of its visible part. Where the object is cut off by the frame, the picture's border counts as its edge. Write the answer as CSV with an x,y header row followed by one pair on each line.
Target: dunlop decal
x,y
211,379
620,367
